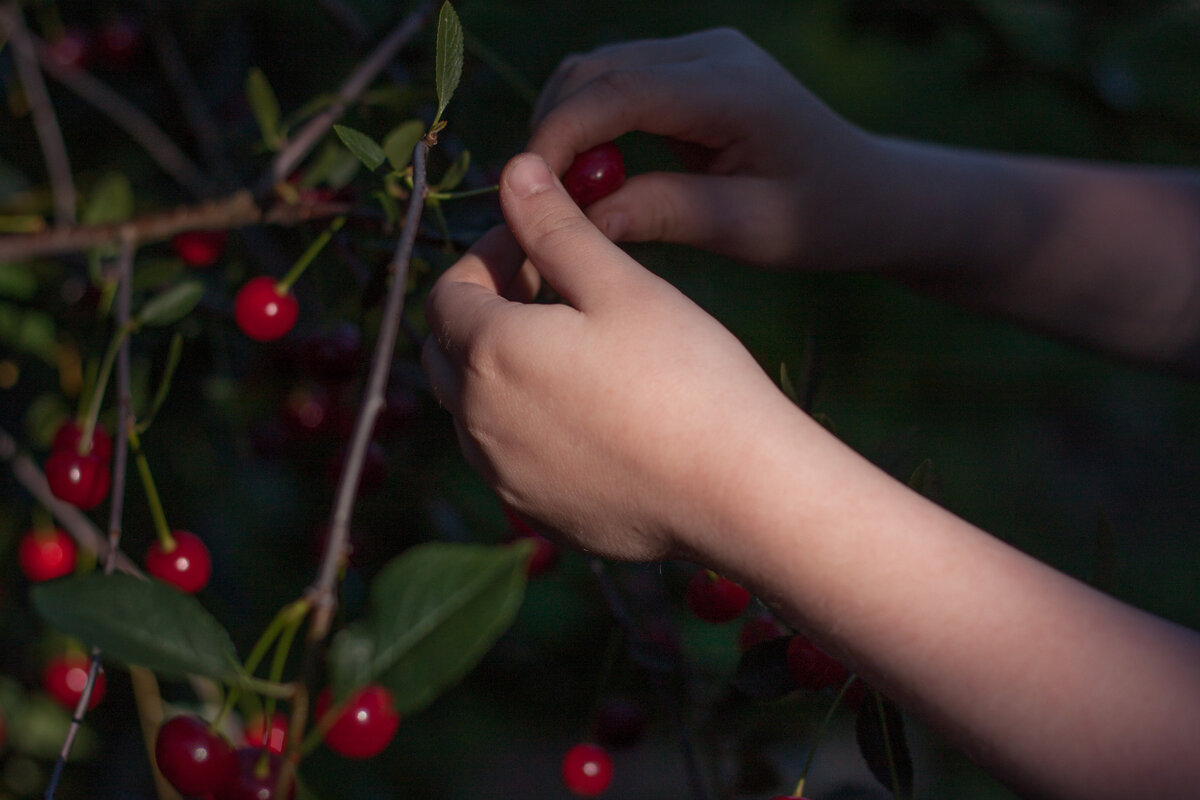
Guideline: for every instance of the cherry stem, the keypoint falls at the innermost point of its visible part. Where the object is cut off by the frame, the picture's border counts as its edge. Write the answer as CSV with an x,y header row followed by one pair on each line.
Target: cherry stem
x,y
106,366
290,616
306,258
165,539
495,187
812,752
282,647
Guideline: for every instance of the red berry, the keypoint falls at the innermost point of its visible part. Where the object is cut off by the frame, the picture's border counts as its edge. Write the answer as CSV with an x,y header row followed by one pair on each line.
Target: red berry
x,y
595,174
366,725
73,49
192,757
273,738
70,432
760,629
199,248
587,770
262,312
187,566
812,667
254,776
715,599
82,481
46,554
65,678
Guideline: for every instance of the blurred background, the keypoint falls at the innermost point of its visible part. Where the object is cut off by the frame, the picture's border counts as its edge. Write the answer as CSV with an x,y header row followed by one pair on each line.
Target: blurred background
x,y
1033,440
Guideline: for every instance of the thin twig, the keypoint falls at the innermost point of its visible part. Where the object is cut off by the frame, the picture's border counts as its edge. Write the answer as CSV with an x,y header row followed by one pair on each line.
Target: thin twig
x,y
237,210
45,122
353,87
322,592
131,119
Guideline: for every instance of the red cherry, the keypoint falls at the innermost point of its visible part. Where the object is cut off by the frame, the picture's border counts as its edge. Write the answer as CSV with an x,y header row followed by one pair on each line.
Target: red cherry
x,y
366,725
65,678
199,248
46,554
70,432
812,667
187,566
195,759
262,312
587,770
72,50
254,776
273,737
595,174
715,599
757,630
82,481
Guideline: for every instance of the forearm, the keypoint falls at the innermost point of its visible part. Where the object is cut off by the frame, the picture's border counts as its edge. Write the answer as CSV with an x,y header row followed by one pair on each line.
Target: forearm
x,y
1107,256
1058,689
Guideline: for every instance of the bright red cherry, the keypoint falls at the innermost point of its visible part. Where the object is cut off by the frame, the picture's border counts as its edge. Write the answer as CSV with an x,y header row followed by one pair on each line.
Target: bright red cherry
x,y
64,678
262,312
715,599
46,554
254,777
195,759
595,174
366,725
272,737
811,667
587,770
762,628
73,49
187,566
70,432
82,481
199,248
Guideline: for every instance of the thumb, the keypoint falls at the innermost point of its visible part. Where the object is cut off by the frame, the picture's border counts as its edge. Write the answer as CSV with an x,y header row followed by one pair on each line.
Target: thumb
x,y
573,256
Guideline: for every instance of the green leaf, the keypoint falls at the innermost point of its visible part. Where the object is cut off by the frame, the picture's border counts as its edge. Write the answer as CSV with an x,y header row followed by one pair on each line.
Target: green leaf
x,y
361,145
164,384
390,207
139,622
152,273
434,612
331,165
29,331
399,144
172,304
449,58
265,106
39,726
455,173
17,281
111,200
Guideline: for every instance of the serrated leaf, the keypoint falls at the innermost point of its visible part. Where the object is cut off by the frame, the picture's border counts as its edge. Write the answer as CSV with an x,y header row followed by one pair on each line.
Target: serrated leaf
x,y
449,57
879,731
434,612
110,200
362,146
172,304
399,144
762,671
139,622
455,172
265,106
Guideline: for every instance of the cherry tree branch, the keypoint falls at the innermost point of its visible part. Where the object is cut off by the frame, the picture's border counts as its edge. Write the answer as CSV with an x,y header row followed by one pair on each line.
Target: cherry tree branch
x,y
351,89
58,165
322,592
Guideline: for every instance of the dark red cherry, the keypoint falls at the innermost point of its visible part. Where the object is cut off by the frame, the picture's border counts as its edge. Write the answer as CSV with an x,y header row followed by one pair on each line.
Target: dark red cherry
x,y
81,480
595,174
715,599
192,757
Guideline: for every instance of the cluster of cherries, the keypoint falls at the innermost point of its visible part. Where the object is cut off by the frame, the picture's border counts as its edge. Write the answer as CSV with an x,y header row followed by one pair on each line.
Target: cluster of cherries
x,y
198,761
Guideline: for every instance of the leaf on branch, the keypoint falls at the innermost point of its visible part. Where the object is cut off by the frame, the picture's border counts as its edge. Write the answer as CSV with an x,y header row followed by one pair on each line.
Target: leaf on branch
x,y
398,145
434,612
449,58
111,200
172,304
362,146
455,173
140,622
265,106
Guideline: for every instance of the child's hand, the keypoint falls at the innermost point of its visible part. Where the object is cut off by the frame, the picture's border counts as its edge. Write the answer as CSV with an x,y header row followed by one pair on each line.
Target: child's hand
x,y
779,178
613,418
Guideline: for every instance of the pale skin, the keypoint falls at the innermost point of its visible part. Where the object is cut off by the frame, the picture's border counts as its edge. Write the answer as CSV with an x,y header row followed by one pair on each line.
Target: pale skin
x,y
630,423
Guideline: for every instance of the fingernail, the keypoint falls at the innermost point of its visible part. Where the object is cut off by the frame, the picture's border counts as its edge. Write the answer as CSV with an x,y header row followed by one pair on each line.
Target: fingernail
x,y
528,176
614,226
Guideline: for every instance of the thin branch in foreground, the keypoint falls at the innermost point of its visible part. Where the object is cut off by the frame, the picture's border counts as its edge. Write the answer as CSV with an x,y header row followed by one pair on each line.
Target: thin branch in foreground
x,y
351,89
58,165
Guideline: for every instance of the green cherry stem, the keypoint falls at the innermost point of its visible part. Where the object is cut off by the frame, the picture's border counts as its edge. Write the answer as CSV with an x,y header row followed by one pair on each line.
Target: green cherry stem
x,y
290,616
283,646
812,752
285,284
495,187
101,385
161,529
